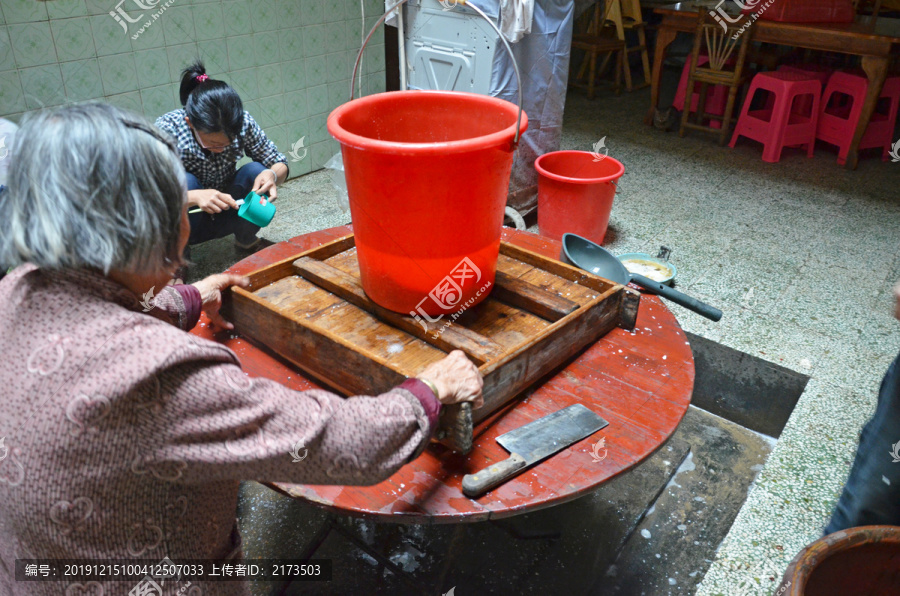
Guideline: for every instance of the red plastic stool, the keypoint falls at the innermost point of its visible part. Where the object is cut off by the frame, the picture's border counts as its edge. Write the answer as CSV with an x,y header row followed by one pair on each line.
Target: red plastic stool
x,y
780,126
716,96
841,108
816,71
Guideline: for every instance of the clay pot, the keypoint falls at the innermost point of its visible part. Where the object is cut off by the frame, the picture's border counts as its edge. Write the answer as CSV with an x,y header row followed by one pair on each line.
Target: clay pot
x,y
861,561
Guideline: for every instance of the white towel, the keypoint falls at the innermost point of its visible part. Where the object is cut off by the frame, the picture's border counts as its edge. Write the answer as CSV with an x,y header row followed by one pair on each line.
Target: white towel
x,y
515,18
392,18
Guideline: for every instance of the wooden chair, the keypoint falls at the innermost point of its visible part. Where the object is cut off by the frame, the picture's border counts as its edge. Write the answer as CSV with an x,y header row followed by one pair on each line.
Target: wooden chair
x,y
867,7
596,41
717,42
626,15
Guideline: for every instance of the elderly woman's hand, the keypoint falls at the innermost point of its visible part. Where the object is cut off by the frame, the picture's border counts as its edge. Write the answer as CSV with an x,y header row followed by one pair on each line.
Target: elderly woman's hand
x,y
211,294
456,379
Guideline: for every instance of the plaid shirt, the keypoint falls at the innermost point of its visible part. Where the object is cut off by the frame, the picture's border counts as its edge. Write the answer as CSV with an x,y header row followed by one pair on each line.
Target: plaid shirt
x,y
217,170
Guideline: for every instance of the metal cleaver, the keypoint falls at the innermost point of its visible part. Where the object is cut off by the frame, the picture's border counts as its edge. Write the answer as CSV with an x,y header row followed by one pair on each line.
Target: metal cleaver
x,y
532,443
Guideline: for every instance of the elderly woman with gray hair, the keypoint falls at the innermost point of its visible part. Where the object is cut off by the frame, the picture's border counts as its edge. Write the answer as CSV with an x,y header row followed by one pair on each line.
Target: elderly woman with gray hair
x,y
122,436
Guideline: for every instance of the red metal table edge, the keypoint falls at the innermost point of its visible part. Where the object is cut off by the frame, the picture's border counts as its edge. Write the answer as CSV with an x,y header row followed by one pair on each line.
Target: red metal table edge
x,y
670,395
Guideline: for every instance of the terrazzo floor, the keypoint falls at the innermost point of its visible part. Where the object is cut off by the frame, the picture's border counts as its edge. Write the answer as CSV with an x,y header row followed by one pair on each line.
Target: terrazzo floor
x,y
800,255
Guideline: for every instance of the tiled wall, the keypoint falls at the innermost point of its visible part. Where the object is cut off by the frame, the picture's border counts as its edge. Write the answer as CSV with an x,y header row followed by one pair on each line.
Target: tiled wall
x,y
290,60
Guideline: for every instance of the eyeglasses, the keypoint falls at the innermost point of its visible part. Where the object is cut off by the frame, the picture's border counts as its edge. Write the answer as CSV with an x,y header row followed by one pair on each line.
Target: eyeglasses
x,y
205,146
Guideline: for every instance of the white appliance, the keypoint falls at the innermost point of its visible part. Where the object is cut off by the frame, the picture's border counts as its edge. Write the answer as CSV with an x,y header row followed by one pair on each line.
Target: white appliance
x,y
449,47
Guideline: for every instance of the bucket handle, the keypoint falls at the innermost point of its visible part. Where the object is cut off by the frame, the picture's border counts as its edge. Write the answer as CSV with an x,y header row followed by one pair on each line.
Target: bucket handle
x,y
457,3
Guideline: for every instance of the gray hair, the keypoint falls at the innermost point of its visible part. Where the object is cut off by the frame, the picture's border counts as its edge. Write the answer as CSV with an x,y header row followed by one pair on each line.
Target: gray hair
x,y
92,186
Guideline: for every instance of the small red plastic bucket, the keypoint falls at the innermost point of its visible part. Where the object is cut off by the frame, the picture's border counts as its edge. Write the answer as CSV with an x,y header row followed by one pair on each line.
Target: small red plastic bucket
x,y
575,193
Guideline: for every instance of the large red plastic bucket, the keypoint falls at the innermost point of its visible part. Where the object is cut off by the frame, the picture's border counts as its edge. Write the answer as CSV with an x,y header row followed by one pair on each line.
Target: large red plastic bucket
x,y
427,175
575,193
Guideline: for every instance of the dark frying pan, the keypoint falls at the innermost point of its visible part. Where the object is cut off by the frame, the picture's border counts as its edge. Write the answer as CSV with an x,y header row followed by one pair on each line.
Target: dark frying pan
x,y
592,257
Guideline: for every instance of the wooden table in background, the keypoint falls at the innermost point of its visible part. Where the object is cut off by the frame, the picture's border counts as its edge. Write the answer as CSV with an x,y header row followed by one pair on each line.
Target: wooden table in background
x,y
640,382
874,41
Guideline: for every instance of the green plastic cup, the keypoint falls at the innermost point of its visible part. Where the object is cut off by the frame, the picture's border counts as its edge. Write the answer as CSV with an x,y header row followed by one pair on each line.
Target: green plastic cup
x,y
257,209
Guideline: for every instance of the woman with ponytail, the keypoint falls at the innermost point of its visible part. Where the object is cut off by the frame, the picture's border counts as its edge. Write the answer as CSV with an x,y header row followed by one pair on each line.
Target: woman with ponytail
x,y
212,132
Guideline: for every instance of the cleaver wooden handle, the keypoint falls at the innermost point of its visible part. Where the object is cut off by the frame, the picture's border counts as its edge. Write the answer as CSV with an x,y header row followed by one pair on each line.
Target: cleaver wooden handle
x,y
476,484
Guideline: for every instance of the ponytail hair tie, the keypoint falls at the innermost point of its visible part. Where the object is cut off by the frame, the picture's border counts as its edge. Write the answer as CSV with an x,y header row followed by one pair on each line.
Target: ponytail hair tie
x,y
201,78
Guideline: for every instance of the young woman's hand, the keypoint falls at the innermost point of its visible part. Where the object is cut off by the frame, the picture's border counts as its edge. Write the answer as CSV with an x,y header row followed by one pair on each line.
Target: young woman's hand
x,y
265,185
456,379
211,200
211,294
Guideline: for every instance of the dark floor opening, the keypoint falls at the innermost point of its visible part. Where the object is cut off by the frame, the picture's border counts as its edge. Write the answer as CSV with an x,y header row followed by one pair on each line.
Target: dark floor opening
x,y
749,391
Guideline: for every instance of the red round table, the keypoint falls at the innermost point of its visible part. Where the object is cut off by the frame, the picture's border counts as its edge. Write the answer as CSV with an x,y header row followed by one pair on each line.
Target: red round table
x,y
640,381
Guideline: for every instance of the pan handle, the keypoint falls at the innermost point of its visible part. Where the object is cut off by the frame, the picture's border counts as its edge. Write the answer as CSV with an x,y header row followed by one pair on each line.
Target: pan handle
x,y
701,308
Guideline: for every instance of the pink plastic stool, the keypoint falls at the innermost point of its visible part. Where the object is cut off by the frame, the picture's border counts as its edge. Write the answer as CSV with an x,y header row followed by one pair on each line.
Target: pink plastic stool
x,y
841,108
780,126
716,97
816,71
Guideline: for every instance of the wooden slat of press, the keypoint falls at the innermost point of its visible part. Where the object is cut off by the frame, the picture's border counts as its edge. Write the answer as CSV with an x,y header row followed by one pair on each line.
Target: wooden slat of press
x,y
340,246
511,266
531,298
506,325
323,311
536,275
278,260
540,261
367,334
272,273
295,296
455,337
351,370
544,255
561,287
287,291
504,379
581,295
346,261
